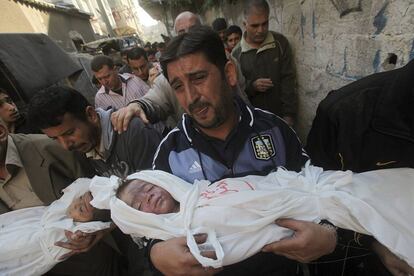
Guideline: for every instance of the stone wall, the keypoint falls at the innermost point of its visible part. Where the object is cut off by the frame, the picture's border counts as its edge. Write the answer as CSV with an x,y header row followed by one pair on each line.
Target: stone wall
x,y
335,41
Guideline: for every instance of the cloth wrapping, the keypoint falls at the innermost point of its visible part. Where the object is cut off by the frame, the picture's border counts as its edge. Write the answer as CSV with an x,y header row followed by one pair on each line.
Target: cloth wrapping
x,y
239,213
27,236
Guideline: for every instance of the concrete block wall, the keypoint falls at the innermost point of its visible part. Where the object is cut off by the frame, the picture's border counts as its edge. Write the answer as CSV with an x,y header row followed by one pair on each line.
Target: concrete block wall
x,y
335,42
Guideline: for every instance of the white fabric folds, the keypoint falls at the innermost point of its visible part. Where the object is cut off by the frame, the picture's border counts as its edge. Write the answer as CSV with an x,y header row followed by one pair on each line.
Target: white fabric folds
x,y
238,214
27,236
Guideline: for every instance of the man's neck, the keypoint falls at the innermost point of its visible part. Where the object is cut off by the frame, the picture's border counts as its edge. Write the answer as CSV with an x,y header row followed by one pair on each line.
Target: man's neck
x,y
3,170
221,132
118,86
11,127
252,44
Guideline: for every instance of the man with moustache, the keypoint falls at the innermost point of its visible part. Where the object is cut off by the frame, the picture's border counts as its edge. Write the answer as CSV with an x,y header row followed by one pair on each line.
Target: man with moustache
x,y
33,171
117,90
64,115
266,62
220,136
160,102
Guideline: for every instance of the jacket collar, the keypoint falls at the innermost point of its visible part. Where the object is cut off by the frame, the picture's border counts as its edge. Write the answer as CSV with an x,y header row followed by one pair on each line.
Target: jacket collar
x,y
268,43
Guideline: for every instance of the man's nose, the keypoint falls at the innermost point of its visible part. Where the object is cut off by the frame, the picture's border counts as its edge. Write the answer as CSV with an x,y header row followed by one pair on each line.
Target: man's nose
x,y
191,93
65,143
11,107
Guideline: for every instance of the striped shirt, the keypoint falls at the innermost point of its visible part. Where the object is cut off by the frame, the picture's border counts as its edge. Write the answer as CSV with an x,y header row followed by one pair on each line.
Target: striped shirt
x,y
132,88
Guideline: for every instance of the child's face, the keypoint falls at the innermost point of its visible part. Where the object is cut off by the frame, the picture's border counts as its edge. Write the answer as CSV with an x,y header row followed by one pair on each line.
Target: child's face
x,y
148,198
80,209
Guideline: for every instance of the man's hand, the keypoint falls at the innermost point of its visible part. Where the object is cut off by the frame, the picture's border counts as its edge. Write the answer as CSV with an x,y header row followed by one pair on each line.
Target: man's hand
x,y
80,242
395,265
172,257
262,85
120,119
309,242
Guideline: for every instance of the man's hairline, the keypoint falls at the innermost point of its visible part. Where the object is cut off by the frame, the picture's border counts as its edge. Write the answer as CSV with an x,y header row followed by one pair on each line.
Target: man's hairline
x,y
195,52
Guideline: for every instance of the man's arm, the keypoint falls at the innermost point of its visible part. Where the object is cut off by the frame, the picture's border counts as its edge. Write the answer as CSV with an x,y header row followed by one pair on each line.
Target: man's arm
x,y
157,105
309,242
394,264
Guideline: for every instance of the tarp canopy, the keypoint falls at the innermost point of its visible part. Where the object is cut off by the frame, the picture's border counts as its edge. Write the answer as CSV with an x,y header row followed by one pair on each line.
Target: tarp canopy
x,y
34,62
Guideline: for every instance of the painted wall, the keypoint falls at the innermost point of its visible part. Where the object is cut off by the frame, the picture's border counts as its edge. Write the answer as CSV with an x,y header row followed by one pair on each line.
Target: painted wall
x,y
335,41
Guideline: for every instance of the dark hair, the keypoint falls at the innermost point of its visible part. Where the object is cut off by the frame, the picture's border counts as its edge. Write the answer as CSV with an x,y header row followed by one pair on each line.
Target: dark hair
x,y
151,52
219,24
137,53
100,61
234,29
161,45
124,52
257,4
47,107
198,39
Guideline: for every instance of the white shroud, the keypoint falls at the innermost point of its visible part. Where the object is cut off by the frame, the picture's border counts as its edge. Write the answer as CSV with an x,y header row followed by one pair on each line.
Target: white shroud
x,y
27,236
238,213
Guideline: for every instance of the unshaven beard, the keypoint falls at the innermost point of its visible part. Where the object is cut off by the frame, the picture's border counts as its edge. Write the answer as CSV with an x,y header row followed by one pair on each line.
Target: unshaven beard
x,y
221,111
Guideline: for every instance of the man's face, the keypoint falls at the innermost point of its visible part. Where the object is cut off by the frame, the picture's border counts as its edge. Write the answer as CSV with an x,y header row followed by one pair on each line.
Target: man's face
x,y
222,35
152,58
148,198
257,26
108,77
183,24
74,135
8,109
80,209
201,89
139,68
232,40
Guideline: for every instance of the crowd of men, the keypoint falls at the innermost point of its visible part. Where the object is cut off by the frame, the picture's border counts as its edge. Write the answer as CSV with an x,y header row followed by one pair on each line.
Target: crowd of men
x,y
214,103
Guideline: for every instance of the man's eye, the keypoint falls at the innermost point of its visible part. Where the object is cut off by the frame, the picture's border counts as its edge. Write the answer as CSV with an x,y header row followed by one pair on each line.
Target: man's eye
x,y
69,132
199,76
176,86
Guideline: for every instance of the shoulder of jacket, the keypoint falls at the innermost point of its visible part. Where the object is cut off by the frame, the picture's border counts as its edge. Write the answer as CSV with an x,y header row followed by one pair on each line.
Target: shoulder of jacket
x,y
278,36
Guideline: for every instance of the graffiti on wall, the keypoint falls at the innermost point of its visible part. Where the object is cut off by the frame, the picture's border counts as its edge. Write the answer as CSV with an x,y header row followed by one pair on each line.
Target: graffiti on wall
x,y
345,7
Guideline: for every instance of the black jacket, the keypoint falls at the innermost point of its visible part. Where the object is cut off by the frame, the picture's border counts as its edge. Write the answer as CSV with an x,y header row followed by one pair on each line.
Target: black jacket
x,y
366,125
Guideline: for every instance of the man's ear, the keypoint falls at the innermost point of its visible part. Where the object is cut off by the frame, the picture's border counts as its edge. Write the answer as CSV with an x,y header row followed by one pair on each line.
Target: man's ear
x,y
91,115
230,71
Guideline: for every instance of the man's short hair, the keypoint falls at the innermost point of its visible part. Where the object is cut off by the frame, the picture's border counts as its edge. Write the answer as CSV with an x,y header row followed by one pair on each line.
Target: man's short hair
x,y
219,24
137,53
198,39
99,62
257,4
47,107
234,29
3,91
124,52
